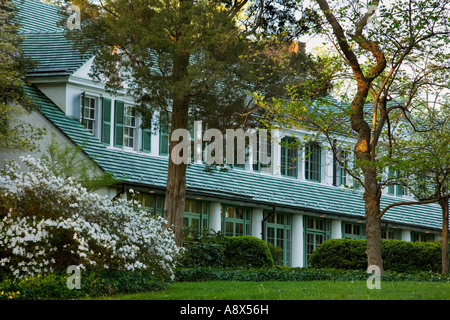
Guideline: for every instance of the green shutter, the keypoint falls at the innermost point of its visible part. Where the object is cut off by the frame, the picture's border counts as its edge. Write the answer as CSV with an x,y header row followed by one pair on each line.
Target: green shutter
x,y
118,123
399,190
106,121
82,98
163,134
391,188
146,140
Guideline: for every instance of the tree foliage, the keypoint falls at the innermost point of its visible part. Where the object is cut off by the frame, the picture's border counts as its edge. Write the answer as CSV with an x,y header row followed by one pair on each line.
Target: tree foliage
x,y
388,53
188,59
14,103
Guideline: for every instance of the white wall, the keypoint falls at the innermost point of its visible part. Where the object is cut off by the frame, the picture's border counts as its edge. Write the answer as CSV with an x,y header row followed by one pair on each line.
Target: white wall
x,y
37,120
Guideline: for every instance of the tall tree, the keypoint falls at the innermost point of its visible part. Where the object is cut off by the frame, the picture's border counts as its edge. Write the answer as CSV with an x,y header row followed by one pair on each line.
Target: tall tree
x,y
179,57
380,44
422,161
14,103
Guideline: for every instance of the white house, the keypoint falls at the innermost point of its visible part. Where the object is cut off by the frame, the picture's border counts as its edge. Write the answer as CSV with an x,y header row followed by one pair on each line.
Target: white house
x,y
295,206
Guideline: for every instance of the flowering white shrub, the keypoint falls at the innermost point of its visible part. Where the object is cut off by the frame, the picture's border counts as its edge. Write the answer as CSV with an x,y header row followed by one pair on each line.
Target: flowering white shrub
x,y
48,223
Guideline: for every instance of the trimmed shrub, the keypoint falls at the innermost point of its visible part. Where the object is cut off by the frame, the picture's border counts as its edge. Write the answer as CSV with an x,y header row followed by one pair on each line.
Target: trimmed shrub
x,y
277,254
398,256
340,254
207,251
403,256
219,251
247,251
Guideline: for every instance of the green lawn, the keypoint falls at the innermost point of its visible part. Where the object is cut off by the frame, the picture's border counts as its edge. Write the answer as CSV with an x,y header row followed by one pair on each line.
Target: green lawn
x,y
307,290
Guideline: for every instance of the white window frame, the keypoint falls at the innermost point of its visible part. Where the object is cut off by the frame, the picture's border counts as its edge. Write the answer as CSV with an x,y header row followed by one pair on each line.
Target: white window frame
x,y
93,121
129,126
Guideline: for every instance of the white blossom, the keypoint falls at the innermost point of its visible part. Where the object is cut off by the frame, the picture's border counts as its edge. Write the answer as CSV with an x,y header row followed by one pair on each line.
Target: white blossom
x,y
119,234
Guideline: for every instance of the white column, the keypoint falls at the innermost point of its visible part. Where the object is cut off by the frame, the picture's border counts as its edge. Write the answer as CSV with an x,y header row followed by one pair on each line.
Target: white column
x,y
257,218
215,216
328,166
297,240
198,130
406,235
154,137
336,229
276,152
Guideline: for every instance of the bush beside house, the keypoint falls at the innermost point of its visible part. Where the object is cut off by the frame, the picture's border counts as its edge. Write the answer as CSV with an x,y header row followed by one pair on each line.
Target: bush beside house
x,y
218,251
49,223
398,256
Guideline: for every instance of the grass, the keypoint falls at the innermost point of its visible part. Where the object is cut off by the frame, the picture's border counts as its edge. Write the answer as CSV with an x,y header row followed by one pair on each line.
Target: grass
x,y
290,290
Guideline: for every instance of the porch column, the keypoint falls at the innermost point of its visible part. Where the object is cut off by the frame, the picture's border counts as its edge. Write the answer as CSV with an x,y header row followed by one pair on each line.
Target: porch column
x,y
406,235
215,216
336,229
297,240
257,218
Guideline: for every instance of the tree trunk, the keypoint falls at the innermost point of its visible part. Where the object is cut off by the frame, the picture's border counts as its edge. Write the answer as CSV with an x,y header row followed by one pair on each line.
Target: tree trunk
x,y
365,147
176,173
373,231
372,198
175,199
443,202
372,190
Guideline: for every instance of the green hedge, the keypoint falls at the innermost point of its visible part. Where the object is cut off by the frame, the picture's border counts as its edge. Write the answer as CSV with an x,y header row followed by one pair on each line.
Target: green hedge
x,y
219,251
93,284
398,256
298,274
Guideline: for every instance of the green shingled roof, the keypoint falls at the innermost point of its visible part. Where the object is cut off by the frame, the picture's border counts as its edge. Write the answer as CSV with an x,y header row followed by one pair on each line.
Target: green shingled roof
x,y
248,187
45,40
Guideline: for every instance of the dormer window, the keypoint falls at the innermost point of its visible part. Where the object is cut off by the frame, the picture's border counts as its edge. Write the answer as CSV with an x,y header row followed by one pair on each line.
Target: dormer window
x,y
312,162
88,112
289,157
129,126
124,125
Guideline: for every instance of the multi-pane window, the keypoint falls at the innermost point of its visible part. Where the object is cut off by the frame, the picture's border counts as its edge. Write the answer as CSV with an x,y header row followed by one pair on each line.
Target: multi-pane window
x,y
391,233
88,113
120,125
289,157
236,221
149,201
397,189
129,126
422,237
342,177
196,215
312,162
318,230
353,231
263,154
278,233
